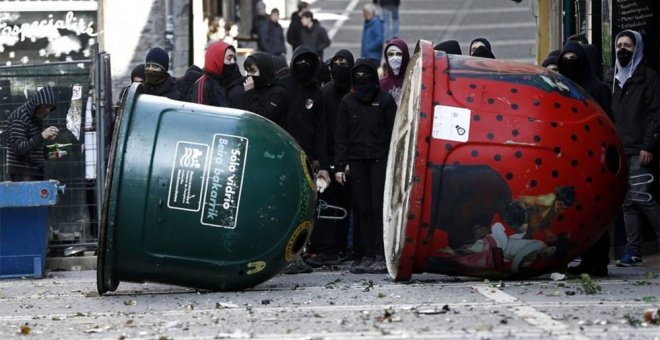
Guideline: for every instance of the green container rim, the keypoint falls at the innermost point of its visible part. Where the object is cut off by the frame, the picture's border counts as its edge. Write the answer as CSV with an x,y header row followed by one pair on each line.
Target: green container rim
x,y
105,276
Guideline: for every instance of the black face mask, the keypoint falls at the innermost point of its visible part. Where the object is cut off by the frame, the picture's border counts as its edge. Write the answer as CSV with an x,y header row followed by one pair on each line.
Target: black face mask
x,y
341,74
571,69
259,81
228,70
155,77
624,56
366,88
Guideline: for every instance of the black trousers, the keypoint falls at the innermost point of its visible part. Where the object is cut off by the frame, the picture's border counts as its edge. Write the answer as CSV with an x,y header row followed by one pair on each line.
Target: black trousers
x,y
367,179
329,235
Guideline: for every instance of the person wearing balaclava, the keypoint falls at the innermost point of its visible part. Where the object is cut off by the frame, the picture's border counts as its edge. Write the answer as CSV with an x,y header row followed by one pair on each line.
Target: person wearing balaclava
x,y
221,80
362,140
479,42
157,81
449,47
306,122
329,238
261,95
396,61
573,63
550,61
635,107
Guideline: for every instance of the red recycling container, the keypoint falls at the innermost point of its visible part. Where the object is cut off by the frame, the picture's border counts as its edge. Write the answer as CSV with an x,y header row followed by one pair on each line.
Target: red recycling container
x,y
496,169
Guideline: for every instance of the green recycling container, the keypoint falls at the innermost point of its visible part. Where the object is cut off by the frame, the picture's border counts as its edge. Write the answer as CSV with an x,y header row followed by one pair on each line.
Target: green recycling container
x,y
201,196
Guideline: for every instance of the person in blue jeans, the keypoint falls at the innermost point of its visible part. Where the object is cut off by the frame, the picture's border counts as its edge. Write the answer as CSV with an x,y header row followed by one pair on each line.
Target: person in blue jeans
x,y
390,17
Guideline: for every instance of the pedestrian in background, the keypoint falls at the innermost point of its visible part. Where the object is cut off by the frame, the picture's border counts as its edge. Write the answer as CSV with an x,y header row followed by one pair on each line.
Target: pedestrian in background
x,y
573,63
274,44
397,57
261,95
635,110
390,9
372,34
329,237
27,137
260,26
313,35
157,81
362,140
221,80
295,27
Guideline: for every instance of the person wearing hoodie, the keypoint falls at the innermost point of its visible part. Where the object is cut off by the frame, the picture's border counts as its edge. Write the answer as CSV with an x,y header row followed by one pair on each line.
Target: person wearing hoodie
x,y
306,122
550,62
183,84
362,139
221,80
635,108
313,35
261,95
27,136
479,42
372,34
329,236
397,57
157,81
573,63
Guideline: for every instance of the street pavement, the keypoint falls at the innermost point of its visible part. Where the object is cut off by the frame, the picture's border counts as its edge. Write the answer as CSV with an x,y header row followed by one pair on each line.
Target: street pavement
x,y
510,27
334,304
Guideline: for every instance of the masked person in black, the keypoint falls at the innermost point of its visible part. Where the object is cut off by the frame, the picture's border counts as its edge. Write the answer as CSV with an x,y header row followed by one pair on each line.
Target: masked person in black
x,y
635,105
573,63
261,95
158,82
185,83
329,236
221,80
362,140
449,47
305,120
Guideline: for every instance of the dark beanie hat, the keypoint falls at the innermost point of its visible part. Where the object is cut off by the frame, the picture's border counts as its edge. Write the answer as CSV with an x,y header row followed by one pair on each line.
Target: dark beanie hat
x,y
138,71
158,56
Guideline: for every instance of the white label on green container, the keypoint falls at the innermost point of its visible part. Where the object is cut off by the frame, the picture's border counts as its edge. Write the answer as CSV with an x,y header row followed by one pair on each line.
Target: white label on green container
x,y
224,181
187,179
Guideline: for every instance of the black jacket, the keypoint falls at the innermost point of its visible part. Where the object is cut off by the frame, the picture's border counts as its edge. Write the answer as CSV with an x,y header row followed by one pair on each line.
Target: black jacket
x,y
316,38
183,84
293,32
217,91
305,118
268,100
274,42
332,94
635,110
363,130
165,89
25,154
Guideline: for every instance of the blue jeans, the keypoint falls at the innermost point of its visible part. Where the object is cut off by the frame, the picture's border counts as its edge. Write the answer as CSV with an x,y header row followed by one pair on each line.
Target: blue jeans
x,y
391,30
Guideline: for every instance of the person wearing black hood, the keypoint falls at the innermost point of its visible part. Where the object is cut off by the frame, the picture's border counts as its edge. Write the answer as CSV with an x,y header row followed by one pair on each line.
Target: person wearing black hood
x,y
362,140
573,63
157,81
326,239
282,71
476,44
185,83
550,62
636,105
221,80
261,96
449,47
306,122
27,136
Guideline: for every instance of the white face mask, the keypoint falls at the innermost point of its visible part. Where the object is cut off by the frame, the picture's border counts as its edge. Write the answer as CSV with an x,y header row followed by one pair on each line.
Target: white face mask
x,y
395,64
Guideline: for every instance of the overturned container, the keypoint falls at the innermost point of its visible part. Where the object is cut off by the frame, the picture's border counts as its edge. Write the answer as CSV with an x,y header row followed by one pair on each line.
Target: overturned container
x,y
496,169
200,196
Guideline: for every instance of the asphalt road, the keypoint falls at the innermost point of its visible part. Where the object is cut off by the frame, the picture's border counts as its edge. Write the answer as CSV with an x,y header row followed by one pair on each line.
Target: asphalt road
x,y
334,304
510,27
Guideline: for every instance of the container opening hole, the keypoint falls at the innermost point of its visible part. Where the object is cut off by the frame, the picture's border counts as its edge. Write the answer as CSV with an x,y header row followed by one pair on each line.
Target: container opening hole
x,y
300,242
